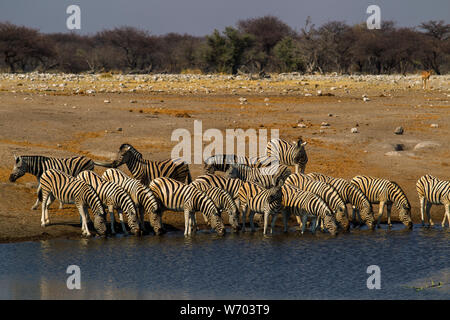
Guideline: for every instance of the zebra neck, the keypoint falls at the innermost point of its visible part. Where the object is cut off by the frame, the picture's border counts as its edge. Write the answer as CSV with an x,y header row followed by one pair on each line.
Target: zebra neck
x,y
34,164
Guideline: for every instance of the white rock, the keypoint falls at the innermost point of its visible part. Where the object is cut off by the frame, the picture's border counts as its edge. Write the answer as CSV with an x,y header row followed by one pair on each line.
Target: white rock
x,y
107,101
434,125
354,130
426,145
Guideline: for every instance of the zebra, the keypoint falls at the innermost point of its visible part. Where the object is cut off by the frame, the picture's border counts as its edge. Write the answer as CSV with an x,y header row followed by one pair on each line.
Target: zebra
x,y
304,205
37,165
254,198
59,185
221,162
265,177
143,199
290,154
387,193
146,170
177,196
328,194
230,185
350,194
223,201
431,191
113,197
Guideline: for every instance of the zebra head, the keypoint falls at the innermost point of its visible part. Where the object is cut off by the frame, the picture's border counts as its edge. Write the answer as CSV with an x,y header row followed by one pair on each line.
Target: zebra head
x,y
342,218
100,224
125,154
233,215
217,224
366,214
300,156
330,223
405,216
132,221
20,168
156,223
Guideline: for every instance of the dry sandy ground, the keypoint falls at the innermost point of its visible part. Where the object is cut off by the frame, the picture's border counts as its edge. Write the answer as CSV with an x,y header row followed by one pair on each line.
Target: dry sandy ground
x,y
60,116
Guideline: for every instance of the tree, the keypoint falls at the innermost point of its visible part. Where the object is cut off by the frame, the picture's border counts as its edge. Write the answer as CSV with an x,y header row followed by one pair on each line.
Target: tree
x,y
287,53
225,52
435,45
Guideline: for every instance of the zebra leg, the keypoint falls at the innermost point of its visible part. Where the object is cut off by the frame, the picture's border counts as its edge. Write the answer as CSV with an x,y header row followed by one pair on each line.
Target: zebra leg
x,y
446,215
124,228
314,223
388,209
274,218
187,217
422,209
286,215
36,204
266,221
427,209
60,205
141,220
299,220
244,212
304,220
250,218
44,208
111,216
380,213
296,168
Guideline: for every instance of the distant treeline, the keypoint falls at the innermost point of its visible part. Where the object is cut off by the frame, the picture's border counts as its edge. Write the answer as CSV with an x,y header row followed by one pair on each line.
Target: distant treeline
x,y
258,45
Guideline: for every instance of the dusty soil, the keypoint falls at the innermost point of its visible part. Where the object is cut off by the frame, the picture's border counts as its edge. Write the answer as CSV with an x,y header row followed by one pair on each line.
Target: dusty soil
x,y
59,116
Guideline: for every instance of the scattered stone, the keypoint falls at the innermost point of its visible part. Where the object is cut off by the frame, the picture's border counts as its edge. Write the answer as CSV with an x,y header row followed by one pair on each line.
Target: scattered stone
x,y
365,99
107,101
426,145
434,125
301,125
354,130
119,129
133,101
398,130
330,114
325,124
308,94
393,153
399,147
27,98
319,92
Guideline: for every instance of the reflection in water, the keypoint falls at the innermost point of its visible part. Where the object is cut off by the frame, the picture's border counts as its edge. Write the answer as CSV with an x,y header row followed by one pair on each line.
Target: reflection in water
x,y
237,266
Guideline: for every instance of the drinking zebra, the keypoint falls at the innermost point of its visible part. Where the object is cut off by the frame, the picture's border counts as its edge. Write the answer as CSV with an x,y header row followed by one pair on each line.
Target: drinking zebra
x,y
142,197
255,199
325,191
59,185
223,201
221,162
387,193
350,194
290,154
265,177
177,196
431,191
306,205
113,197
37,165
146,170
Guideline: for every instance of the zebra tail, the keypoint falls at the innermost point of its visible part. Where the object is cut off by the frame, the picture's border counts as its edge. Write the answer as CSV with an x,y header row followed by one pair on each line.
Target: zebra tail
x,y
189,177
40,194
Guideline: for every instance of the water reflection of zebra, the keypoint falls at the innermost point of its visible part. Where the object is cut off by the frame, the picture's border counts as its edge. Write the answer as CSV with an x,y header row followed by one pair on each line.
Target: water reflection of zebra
x,y
113,197
387,193
59,185
37,165
431,191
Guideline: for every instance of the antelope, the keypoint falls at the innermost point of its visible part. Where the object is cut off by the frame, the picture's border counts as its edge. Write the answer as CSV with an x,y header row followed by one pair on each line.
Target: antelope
x,y
425,76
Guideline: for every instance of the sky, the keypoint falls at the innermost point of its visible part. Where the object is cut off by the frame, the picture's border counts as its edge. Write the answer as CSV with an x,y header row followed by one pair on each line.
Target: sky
x,y
201,17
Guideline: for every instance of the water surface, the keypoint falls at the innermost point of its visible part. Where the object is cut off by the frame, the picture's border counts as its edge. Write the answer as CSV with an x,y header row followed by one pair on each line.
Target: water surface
x,y
238,266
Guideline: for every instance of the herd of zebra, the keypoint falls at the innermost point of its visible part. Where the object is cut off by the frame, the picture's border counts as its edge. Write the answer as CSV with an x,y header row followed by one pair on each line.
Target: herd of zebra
x,y
262,185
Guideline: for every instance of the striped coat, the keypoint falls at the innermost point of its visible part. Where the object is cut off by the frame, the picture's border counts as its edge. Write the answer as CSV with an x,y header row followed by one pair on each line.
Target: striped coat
x,y
265,177
290,154
306,205
255,199
142,197
37,165
387,193
228,184
431,191
176,196
328,194
113,197
352,195
223,202
146,170
59,185
222,162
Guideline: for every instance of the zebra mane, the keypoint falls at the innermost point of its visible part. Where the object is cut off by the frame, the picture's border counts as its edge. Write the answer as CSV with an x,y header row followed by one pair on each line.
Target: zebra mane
x,y
133,150
397,186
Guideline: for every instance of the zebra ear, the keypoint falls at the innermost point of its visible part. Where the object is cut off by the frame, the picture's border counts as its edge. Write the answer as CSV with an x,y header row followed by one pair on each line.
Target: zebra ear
x,y
301,143
16,158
